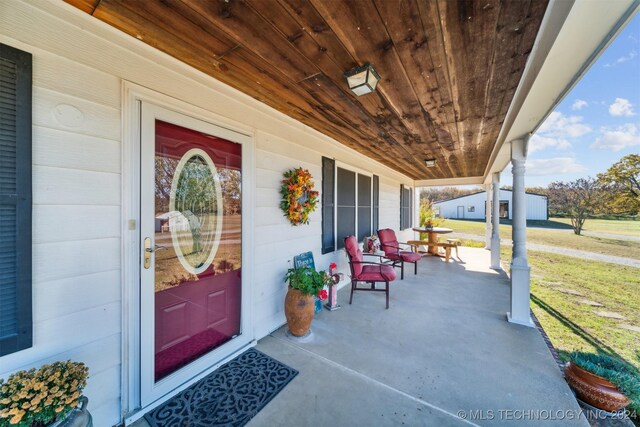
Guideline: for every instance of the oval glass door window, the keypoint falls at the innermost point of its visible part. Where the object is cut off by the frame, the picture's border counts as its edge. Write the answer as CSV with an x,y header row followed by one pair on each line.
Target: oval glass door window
x,y
195,217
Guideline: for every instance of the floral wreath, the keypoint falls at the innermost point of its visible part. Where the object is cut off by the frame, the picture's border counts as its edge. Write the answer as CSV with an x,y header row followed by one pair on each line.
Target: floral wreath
x,y
298,197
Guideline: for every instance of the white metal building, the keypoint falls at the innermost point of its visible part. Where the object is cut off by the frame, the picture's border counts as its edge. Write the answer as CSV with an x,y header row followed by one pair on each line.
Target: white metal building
x,y
472,206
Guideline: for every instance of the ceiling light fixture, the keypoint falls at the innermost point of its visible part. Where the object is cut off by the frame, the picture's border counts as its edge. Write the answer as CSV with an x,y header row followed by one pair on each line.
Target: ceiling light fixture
x,y
430,163
362,80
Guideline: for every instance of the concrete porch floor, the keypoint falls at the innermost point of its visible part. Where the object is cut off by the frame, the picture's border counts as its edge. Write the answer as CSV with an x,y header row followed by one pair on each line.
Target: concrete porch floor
x,y
442,355
442,352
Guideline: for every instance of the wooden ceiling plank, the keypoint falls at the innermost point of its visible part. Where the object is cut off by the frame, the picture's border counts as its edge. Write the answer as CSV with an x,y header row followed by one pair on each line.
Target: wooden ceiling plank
x,y
316,27
469,33
429,16
290,28
137,25
323,87
318,97
364,35
449,69
405,27
268,92
241,23
514,38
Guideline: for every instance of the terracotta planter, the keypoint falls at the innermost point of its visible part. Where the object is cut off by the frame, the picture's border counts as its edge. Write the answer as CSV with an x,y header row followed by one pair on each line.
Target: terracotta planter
x,y
594,390
299,310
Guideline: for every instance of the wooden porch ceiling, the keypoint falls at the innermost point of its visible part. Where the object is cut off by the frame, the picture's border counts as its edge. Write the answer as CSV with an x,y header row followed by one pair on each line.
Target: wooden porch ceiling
x,y
449,68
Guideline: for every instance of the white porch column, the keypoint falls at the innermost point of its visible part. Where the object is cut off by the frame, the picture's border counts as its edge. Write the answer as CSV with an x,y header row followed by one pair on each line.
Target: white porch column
x,y
487,214
520,270
495,222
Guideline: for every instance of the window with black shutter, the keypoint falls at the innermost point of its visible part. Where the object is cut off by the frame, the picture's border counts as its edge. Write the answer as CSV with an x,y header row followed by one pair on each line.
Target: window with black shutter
x,y
15,200
349,205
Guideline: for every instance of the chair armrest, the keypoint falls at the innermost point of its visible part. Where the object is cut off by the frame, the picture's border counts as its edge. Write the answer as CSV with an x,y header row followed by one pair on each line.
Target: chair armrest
x,y
407,244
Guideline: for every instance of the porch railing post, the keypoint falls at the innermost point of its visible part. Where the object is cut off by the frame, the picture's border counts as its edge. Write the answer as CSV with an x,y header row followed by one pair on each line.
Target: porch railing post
x,y
520,270
495,222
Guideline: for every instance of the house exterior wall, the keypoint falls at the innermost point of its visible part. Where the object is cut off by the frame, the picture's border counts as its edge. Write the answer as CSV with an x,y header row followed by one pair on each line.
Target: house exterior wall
x,y
80,65
536,206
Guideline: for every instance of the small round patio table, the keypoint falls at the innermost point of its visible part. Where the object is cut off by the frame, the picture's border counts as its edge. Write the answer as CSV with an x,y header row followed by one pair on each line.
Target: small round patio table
x,y
432,243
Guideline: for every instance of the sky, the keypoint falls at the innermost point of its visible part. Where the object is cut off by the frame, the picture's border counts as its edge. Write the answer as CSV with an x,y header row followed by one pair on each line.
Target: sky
x,y
596,124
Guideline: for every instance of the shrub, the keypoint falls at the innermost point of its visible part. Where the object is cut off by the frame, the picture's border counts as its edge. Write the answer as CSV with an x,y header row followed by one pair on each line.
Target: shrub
x,y
307,279
38,397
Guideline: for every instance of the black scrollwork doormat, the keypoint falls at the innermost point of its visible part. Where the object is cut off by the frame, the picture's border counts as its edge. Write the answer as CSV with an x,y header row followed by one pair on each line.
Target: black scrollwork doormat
x,y
230,396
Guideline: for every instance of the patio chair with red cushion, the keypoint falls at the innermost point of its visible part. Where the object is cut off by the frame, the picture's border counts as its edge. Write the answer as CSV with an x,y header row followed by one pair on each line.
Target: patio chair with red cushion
x,y
365,271
393,250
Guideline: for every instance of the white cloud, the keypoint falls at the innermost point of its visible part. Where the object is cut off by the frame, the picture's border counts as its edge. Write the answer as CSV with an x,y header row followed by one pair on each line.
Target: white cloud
x,y
579,104
622,59
624,136
621,107
555,166
539,142
558,125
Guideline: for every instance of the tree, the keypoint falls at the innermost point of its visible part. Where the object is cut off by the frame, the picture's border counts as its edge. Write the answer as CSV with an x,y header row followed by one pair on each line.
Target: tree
x,y
622,182
577,199
438,194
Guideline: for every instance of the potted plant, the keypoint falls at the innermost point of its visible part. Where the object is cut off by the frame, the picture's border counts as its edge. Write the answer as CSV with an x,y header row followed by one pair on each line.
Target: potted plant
x,y
428,218
50,396
603,381
305,283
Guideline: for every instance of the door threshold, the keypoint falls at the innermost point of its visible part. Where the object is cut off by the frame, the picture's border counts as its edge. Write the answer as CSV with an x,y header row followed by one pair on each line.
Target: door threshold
x,y
134,416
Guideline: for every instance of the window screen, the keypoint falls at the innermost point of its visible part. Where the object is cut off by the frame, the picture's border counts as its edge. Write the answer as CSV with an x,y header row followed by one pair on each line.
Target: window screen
x,y
364,206
346,212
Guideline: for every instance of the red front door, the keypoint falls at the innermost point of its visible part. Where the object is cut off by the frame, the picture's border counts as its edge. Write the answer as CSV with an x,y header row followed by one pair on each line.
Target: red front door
x,y
197,247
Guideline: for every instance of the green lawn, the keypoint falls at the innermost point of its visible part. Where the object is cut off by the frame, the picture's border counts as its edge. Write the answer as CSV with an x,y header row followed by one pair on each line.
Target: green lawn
x,y
564,294
627,228
561,237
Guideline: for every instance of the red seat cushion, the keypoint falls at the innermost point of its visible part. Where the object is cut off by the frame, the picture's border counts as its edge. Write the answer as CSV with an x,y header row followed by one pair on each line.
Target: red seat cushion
x,y
377,273
410,256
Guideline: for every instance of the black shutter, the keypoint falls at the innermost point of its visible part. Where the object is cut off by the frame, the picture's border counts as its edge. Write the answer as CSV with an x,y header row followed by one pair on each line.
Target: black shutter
x,y
405,207
15,200
376,203
402,227
328,219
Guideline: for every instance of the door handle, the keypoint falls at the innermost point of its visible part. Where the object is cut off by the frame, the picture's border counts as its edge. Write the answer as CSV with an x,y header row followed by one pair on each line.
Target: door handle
x,y
148,250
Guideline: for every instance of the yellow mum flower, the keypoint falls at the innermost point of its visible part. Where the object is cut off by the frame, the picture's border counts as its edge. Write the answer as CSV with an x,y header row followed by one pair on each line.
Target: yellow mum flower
x,y
16,419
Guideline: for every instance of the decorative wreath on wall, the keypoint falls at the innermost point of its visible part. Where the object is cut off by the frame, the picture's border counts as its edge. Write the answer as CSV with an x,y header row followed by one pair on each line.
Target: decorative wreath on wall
x,y
298,197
